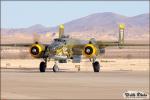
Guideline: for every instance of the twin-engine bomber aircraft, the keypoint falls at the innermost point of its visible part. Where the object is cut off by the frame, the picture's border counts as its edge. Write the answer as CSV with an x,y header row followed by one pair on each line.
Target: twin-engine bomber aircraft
x,y
64,48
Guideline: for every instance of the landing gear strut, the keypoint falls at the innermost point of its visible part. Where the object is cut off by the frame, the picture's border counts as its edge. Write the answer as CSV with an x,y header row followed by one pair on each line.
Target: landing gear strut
x,y
96,66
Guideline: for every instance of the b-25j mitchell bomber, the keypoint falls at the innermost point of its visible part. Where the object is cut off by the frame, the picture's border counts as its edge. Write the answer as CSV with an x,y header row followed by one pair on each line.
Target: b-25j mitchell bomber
x,y
64,48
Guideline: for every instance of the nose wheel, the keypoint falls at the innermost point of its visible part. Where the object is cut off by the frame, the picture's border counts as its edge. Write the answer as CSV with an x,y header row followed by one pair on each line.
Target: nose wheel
x,y
43,65
55,68
96,66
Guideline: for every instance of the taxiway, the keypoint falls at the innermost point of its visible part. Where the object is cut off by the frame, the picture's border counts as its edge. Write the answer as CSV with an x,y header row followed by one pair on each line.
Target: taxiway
x,y
30,84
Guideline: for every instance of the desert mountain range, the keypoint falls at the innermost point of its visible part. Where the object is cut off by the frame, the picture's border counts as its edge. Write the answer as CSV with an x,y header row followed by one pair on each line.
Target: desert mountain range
x,y
103,26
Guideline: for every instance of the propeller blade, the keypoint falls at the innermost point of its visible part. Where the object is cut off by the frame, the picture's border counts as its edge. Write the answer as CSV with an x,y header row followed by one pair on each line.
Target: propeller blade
x,y
36,38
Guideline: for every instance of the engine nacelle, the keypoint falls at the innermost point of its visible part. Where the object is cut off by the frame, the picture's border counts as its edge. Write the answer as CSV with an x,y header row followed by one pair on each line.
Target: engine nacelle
x,y
37,50
90,50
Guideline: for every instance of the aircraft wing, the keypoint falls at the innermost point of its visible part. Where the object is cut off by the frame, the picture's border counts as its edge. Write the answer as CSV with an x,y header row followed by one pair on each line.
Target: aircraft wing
x,y
19,45
103,44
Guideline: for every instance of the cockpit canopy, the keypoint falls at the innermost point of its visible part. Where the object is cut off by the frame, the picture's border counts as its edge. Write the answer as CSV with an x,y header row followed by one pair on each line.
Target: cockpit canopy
x,y
59,40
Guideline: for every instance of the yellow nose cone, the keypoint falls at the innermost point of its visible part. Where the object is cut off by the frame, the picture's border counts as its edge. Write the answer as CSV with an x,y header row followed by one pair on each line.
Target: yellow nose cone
x,y
122,26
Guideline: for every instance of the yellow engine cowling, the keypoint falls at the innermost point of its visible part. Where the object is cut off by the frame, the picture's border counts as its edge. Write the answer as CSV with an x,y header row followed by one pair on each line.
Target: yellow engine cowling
x,y
37,50
90,51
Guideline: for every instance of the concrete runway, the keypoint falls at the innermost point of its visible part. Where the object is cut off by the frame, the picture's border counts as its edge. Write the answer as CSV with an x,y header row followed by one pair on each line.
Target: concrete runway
x,y
30,84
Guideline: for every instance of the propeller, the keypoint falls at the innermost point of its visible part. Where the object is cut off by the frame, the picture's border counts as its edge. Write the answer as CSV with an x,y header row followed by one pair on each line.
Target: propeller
x,y
47,37
36,38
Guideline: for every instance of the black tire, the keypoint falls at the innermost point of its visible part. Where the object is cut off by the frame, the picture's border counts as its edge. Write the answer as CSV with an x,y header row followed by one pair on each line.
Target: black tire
x,y
96,66
55,68
42,67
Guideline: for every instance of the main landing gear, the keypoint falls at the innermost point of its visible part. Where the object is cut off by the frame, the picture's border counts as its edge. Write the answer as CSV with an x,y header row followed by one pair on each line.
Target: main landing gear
x,y
96,66
43,65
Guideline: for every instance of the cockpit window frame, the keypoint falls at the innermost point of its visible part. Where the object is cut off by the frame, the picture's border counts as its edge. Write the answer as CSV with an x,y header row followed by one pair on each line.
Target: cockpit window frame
x,y
60,40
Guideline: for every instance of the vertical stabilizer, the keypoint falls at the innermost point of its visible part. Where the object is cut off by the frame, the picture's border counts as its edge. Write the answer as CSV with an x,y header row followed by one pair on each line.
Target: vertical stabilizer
x,y
61,30
121,35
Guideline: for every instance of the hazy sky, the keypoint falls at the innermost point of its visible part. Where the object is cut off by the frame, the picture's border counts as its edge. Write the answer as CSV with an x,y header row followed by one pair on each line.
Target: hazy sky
x,y
17,14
